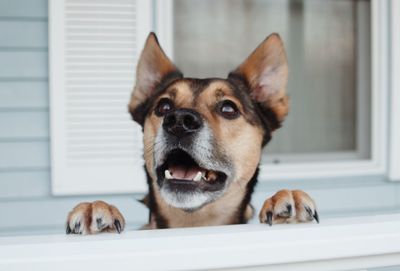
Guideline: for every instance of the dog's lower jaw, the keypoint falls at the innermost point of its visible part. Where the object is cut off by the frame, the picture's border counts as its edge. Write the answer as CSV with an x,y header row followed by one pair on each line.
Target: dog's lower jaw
x,y
233,207
188,203
191,200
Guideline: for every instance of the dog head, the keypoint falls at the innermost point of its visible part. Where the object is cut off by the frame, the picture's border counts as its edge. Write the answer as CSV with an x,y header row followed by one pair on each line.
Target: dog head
x,y
202,135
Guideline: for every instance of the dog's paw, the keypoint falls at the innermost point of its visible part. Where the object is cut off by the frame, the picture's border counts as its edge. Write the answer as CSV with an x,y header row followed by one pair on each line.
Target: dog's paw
x,y
94,217
288,207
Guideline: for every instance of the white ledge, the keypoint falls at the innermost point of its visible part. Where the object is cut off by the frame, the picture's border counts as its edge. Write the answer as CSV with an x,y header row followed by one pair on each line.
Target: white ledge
x,y
345,243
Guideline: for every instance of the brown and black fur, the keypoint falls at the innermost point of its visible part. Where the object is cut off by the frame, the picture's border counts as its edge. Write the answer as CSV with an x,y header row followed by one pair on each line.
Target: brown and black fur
x,y
240,87
257,88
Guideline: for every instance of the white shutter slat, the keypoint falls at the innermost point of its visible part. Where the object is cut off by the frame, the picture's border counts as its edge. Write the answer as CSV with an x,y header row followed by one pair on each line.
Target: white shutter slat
x,y
94,45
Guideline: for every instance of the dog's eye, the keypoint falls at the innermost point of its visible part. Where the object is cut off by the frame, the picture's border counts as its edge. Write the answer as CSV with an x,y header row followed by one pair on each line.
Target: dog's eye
x,y
163,107
228,109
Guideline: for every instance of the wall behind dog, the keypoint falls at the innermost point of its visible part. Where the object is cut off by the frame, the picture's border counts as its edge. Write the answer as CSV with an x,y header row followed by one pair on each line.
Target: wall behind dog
x,y
26,203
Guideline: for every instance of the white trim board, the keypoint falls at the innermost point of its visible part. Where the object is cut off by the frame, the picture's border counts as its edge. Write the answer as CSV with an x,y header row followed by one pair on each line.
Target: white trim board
x,y
394,150
164,16
335,244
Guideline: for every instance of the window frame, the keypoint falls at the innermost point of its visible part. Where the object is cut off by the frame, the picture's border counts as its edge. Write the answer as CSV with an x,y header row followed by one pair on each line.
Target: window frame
x,y
377,163
394,143
331,165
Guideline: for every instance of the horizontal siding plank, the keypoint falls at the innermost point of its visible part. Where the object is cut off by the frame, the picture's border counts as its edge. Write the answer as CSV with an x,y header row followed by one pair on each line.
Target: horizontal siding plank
x,y
52,212
24,125
23,34
22,185
24,95
24,155
23,65
23,8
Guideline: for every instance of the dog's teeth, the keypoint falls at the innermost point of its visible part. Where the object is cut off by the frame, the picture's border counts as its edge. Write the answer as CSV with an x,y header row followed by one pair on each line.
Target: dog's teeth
x,y
198,176
167,174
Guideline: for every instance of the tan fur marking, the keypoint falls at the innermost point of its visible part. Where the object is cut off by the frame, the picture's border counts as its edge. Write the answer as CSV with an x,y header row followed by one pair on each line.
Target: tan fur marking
x,y
151,125
180,93
240,140
215,92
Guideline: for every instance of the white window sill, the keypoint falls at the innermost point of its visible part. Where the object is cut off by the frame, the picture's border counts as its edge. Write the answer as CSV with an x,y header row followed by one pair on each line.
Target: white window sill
x,y
335,244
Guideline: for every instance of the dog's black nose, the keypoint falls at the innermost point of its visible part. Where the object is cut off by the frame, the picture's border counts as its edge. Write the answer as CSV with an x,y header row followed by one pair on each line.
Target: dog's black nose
x,y
182,122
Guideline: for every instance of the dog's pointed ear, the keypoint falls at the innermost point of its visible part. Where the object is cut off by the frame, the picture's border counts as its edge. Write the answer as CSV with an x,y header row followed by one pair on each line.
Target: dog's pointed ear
x,y
153,67
266,73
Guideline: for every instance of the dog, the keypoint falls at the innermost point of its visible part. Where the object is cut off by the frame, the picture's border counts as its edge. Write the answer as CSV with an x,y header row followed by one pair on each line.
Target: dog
x,y
203,140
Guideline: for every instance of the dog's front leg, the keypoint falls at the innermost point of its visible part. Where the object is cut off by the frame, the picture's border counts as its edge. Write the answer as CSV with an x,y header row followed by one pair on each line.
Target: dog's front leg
x,y
288,206
94,217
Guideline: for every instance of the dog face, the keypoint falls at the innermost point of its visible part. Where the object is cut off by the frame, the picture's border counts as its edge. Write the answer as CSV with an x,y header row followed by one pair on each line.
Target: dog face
x,y
202,135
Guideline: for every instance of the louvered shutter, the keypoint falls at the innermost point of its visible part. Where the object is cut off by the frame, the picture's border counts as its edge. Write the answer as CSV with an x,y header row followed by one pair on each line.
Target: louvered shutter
x,y
94,46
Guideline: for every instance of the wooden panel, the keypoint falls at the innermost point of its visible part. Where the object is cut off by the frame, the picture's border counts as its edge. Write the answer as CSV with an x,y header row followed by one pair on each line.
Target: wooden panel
x,y
24,125
22,34
22,8
22,95
24,184
23,65
23,155
95,48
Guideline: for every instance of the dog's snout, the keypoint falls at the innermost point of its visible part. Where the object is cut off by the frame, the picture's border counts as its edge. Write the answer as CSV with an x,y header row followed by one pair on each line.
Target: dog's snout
x,y
182,122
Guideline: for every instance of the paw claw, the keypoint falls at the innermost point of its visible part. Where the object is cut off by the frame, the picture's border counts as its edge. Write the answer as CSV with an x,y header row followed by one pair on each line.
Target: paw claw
x,y
269,218
316,216
118,225
68,230
289,209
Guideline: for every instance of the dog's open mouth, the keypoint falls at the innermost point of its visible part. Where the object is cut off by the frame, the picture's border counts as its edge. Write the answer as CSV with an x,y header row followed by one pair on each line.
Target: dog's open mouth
x,y
180,168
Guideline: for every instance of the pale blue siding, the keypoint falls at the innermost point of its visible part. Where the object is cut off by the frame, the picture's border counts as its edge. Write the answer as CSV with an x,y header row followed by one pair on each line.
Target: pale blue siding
x,y
24,133
26,204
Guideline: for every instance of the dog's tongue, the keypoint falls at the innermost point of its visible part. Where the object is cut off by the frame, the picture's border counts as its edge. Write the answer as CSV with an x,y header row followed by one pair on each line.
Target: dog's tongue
x,y
184,173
